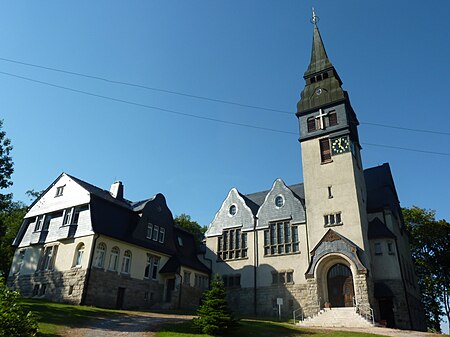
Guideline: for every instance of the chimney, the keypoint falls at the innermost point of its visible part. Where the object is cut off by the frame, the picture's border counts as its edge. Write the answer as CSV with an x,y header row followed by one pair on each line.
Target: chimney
x,y
117,190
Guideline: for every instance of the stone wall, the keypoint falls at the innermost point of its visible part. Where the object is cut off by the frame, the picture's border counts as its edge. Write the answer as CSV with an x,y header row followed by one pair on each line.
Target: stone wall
x,y
103,290
242,300
52,285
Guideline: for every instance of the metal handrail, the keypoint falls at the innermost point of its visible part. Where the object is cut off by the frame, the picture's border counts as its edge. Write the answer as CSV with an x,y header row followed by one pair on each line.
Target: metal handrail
x,y
365,311
294,314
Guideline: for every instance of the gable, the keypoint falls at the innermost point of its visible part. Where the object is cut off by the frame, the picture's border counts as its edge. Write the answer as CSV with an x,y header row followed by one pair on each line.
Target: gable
x,y
243,216
291,207
72,194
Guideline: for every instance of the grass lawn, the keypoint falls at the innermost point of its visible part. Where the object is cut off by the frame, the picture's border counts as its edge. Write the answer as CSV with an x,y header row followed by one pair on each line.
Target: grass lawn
x,y
53,318
260,329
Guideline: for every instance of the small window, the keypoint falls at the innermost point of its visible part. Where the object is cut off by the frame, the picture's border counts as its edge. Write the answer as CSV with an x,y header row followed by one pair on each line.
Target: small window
x,y
187,278
39,223
162,233
180,241
35,290
114,259
325,75
126,262
155,233
311,124
59,191
312,79
100,255
378,250
279,201
325,153
70,290
338,218
233,210
149,230
78,259
76,216
330,193
67,216
332,119
155,267
390,248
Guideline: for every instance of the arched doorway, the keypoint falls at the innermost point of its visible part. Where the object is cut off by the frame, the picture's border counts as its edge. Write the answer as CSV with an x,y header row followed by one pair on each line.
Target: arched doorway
x,y
340,286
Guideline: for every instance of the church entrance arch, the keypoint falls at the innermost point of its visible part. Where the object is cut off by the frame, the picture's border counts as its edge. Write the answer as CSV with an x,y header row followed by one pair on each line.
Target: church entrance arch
x,y
340,286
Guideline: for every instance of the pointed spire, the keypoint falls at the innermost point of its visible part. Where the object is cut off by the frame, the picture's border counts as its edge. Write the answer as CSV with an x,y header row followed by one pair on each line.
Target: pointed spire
x,y
319,58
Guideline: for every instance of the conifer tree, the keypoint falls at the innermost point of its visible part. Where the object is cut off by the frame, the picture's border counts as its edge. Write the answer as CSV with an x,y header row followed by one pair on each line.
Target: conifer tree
x,y
214,316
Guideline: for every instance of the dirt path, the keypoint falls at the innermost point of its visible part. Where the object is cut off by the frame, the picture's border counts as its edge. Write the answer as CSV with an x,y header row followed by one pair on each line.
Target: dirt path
x,y
146,324
130,325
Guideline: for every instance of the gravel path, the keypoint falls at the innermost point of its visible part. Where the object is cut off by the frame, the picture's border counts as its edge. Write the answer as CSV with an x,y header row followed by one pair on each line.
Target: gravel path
x,y
146,324
130,325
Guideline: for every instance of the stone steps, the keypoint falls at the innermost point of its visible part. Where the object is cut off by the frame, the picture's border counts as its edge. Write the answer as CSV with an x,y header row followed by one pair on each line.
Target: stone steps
x,y
337,317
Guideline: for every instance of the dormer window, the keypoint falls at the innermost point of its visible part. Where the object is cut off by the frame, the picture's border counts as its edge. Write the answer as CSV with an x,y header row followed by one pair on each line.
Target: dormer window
x,y
233,210
59,191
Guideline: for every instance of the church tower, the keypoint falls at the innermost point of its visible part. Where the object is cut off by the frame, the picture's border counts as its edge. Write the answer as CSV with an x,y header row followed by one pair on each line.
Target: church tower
x,y
333,175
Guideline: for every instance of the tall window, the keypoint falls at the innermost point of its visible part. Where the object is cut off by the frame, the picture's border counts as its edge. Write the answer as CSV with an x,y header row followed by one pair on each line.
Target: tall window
x,y
232,245
126,262
78,259
114,258
281,238
48,258
155,233
67,216
151,268
39,222
311,124
21,259
162,233
187,278
332,118
325,152
149,230
100,255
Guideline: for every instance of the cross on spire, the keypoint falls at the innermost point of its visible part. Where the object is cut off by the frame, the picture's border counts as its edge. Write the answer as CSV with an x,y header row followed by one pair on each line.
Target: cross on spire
x,y
314,18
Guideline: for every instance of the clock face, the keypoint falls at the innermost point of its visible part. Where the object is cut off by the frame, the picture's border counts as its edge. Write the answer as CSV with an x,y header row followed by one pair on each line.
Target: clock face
x,y
340,145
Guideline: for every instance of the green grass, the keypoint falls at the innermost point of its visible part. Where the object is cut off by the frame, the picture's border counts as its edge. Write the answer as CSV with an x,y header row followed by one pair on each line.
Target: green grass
x,y
260,329
55,318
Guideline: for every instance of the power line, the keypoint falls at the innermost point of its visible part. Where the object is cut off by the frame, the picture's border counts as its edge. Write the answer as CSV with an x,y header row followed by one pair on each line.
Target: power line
x,y
290,113
147,87
195,116
147,106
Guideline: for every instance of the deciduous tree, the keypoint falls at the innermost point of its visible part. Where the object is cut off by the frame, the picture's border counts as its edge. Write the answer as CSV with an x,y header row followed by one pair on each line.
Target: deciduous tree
x,y
430,244
184,221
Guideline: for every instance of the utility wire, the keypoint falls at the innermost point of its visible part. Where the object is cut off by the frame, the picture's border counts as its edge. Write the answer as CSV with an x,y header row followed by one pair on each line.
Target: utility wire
x,y
192,115
290,113
147,106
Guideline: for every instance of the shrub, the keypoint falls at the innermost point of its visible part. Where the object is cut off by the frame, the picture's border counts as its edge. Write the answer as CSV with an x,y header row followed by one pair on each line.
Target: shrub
x,y
214,316
14,321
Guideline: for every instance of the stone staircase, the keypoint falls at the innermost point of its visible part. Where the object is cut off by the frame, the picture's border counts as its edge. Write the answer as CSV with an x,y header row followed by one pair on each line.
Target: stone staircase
x,y
337,317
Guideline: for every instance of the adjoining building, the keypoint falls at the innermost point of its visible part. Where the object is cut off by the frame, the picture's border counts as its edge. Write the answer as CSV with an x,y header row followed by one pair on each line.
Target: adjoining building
x,y
84,245
336,240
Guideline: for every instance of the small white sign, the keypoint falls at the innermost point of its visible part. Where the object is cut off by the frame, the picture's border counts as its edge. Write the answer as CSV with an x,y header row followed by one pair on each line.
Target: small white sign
x,y
279,301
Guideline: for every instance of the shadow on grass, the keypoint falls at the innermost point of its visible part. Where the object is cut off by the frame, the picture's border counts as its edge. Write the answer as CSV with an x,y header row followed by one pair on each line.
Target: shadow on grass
x,y
246,328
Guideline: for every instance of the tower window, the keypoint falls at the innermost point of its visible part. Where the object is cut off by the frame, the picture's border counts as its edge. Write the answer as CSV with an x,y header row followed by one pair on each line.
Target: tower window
x,y
325,153
332,119
311,124
312,79
325,75
334,219
330,193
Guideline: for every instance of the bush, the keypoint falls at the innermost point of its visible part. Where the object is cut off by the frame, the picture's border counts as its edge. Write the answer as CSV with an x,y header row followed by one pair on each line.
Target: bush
x,y
14,321
214,316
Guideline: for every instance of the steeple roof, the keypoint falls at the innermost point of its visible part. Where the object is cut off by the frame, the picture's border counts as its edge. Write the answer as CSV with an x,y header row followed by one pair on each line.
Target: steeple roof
x,y
319,58
323,85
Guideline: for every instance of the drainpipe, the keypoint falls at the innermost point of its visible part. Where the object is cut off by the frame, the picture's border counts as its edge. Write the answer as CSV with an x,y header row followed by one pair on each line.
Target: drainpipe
x,y
255,265
88,271
181,287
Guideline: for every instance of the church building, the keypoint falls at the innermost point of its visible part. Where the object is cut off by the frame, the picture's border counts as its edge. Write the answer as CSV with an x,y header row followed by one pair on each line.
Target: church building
x,y
336,240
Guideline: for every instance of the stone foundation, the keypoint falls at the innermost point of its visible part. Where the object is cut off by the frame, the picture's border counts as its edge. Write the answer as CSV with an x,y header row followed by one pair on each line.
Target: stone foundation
x,y
52,285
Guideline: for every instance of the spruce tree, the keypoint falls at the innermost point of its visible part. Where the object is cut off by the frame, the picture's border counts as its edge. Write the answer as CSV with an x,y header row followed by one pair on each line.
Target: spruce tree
x,y
214,316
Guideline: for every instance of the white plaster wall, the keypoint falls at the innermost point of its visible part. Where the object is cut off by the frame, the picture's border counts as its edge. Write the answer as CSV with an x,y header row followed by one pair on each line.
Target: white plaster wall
x,y
73,195
138,257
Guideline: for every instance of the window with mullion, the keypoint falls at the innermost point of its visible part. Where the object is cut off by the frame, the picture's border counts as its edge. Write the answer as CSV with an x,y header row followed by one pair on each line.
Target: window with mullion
x,y
281,238
232,245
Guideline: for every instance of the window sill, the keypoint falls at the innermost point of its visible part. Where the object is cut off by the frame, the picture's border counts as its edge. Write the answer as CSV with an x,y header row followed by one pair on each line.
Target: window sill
x,y
326,162
229,260
334,225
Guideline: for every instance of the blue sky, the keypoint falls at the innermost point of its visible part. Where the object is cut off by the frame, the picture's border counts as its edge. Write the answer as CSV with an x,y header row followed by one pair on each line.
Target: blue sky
x,y
393,57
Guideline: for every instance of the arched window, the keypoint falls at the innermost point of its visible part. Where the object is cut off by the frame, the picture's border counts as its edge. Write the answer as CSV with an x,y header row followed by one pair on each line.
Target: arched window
x,y
114,259
78,259
126,262
100,255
